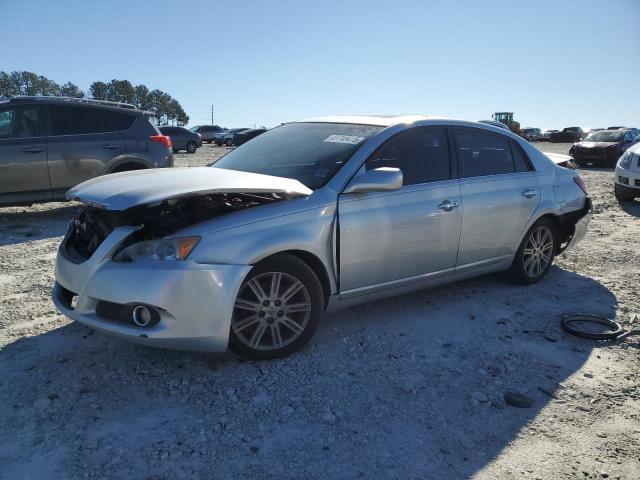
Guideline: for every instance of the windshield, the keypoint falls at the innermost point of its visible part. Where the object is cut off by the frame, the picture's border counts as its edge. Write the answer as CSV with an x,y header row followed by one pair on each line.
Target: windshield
x,y
308,152
604,136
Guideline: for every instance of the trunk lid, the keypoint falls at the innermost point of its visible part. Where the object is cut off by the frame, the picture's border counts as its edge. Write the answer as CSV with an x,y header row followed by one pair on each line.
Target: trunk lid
x,y
120,191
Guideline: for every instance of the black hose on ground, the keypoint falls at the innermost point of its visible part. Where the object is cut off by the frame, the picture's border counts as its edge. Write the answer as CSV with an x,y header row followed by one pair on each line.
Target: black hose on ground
x,y
615,331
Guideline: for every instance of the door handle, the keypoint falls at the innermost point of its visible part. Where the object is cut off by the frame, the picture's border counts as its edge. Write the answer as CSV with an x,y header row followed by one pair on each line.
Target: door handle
x,y
33,150
529,193
447,205
111,146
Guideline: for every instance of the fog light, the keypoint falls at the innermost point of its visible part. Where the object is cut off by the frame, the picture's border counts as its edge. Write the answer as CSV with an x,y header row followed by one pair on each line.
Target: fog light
x,y
144,316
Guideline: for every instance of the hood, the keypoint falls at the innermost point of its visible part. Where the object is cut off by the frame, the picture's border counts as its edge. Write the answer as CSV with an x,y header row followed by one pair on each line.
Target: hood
x,y
597,144
120,191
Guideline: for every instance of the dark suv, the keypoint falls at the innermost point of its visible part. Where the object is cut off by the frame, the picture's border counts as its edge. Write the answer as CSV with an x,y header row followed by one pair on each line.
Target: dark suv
x,y
50,144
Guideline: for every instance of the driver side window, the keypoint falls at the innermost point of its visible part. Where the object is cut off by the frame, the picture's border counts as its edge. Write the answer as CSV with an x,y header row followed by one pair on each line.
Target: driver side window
x,y
422,154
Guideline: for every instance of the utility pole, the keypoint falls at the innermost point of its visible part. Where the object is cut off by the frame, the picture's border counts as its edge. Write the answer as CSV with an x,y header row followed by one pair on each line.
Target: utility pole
x,y
211,114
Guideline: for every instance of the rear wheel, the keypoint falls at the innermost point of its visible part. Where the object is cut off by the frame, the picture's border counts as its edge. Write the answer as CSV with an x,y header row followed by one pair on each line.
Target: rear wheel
x,y
192,147
536,253
277,310
128,167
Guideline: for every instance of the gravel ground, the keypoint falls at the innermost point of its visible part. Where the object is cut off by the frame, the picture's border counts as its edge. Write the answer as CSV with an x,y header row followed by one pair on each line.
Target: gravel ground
x,y
412,387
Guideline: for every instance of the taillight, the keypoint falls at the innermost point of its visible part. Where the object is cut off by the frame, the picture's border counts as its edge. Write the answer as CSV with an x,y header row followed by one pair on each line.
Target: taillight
x,y
162,139
580,183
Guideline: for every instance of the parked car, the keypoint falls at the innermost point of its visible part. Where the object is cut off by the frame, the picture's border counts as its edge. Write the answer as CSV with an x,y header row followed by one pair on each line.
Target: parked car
x,y
246,135
627,175
220,138
249,253
495,124
532,134
602,148
589,131
567,135
546,134
182,139
206,132
229,137
50,144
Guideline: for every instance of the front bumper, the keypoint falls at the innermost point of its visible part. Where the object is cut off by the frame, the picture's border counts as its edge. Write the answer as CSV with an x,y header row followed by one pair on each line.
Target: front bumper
x,y
597,156
627,181
195,301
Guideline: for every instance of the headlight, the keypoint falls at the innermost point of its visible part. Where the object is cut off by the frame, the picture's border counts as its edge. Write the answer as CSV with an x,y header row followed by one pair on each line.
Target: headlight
x,y
164,249
625,160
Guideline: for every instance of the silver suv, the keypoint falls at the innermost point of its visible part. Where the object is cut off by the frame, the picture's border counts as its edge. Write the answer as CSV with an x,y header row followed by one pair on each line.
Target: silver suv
x,y
50,144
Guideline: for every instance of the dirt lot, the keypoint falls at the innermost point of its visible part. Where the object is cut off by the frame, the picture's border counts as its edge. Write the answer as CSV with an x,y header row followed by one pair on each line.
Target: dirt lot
x,y
410,388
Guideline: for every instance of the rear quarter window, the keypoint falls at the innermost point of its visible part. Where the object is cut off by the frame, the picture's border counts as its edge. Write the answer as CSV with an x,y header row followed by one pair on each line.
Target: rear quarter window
x,y
75,120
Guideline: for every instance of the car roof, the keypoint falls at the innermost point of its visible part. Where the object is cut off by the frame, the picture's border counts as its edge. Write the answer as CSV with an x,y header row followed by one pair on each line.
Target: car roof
x,y
378,120
129,108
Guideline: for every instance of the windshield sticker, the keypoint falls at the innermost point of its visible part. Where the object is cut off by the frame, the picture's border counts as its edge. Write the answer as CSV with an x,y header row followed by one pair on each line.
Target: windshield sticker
x,y
344,139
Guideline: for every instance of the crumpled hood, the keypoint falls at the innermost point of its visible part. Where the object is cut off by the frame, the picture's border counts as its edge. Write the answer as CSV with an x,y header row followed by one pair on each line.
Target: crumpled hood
x,y
119,191
596,144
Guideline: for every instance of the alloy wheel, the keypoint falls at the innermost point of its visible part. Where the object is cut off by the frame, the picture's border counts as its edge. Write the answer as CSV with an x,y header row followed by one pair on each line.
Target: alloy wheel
x,y
538,252
271,311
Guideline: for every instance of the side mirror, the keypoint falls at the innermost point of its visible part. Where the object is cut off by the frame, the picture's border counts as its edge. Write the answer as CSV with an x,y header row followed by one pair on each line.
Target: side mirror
x,y
384,179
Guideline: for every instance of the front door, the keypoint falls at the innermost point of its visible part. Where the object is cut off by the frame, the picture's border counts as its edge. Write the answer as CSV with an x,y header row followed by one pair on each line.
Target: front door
x,y
24,176
391,239
500,193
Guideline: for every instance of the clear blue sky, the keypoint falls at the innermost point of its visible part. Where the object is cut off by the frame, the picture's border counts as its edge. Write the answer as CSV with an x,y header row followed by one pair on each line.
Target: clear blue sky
x,y
554,63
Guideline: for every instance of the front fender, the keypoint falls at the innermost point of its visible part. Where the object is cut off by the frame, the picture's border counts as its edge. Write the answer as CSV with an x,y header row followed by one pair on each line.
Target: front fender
x,y
311,231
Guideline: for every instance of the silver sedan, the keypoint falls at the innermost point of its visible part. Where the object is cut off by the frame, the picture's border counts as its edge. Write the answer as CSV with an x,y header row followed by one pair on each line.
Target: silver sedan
x,y
250,252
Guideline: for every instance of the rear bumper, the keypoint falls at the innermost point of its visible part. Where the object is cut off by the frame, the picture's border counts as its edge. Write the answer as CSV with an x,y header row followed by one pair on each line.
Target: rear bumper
x,y
575,224
194,301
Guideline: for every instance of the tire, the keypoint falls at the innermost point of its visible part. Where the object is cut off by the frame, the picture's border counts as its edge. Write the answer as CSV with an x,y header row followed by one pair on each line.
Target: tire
x,y
536,253
175,150
228,142
261,329
191,147
128,167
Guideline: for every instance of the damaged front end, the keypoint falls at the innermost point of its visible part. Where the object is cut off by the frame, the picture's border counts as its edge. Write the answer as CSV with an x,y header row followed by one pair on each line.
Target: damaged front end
x,y
92,225
160,202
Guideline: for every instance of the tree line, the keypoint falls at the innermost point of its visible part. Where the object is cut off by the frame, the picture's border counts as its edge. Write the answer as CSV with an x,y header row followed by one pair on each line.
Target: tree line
x,y
165,108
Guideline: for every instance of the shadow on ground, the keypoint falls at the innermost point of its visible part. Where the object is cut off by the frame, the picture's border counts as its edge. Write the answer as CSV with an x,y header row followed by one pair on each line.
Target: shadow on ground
x,y
411,387
23,224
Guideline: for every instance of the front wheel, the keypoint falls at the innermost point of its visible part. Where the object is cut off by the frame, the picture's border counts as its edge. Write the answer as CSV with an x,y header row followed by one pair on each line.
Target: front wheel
x,y
277,310
536,253
192,147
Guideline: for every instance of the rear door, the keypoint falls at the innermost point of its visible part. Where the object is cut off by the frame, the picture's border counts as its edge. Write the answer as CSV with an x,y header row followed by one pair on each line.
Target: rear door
x,y
499,191
84,142
24,176
391,239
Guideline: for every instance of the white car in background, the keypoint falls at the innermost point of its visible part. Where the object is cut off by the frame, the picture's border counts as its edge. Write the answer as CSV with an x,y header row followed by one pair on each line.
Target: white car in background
x,y
627,177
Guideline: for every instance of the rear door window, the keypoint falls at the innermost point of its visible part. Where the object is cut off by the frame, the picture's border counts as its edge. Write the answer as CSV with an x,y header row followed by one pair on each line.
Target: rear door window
x,y
76,120
483,153
422,154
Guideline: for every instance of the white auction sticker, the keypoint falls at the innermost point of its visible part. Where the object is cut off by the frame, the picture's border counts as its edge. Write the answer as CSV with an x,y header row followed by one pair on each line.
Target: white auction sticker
x,y
344,139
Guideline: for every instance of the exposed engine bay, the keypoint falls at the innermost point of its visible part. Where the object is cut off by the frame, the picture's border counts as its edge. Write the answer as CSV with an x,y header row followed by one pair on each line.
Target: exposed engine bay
x,y
92,225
